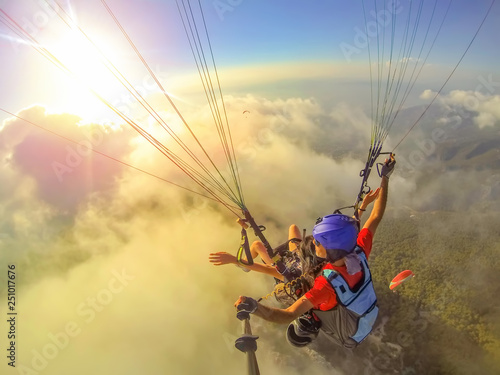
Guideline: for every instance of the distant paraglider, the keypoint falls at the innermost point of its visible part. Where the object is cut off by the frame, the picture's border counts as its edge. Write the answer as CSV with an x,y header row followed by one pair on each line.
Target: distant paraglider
x,y
401,278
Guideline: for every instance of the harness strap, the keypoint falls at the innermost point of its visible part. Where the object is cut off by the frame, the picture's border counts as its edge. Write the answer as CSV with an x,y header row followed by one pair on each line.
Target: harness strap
x,y
244,247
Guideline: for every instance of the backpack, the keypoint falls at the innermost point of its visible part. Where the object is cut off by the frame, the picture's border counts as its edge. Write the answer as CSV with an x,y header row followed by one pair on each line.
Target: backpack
x,y
352,319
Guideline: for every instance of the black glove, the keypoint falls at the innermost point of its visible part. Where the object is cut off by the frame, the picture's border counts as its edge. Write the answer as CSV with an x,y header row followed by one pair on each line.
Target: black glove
x,y
245,308
388,167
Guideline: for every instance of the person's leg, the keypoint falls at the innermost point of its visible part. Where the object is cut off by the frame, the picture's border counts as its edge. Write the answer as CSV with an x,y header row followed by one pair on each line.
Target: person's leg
x,y
293,232
258,248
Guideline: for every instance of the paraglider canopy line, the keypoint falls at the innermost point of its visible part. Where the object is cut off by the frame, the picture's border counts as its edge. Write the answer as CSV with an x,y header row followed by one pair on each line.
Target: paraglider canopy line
x,y
450,75
224,132
231,208
392,70
189,170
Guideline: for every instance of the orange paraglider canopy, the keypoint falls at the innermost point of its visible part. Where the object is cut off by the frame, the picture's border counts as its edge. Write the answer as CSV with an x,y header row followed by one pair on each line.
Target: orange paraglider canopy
x,y
401,278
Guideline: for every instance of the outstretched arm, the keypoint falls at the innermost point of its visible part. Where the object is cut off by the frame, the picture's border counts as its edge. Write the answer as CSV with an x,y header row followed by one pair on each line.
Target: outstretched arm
x,y
381,202
274,315
369,198
220,258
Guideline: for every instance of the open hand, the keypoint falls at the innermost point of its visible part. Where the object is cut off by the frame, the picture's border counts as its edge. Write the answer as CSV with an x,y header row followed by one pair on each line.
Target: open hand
x,y
221,257
370,197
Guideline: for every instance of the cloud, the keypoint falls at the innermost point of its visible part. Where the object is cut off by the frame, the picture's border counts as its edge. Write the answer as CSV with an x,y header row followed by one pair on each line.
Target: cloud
x,y
297,161
64,172
260,74
177,304
485,106
151,308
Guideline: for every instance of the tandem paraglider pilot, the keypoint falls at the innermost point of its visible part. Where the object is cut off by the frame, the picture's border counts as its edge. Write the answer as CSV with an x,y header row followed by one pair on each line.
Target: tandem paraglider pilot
x,y
340,300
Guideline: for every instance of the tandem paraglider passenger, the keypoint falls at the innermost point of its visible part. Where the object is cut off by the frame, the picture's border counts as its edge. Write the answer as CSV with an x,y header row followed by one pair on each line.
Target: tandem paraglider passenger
x,y
341,301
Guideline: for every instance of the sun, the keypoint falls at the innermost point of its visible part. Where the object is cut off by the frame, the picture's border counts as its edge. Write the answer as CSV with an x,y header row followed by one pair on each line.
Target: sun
x,y
91,78
104,76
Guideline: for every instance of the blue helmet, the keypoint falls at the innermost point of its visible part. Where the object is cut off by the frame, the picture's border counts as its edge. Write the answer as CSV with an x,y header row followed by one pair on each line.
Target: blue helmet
x,y
336,232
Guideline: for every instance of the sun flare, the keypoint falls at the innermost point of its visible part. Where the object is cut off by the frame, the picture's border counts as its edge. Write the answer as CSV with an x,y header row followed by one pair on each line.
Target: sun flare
x,y
92,76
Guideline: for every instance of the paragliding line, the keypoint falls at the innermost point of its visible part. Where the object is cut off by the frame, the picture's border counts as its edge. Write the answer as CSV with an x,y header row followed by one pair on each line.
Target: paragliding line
x,y
449,76
112,158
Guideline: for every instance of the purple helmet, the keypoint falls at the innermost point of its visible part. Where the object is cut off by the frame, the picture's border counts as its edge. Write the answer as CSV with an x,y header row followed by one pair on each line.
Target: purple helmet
x,y
336,232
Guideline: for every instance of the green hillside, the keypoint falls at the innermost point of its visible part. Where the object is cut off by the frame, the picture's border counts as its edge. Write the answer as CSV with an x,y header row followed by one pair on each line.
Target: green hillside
x,y
446,320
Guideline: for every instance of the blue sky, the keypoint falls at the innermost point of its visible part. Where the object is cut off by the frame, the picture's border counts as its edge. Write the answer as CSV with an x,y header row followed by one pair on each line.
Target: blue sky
x,y
310,31
71,217
243,33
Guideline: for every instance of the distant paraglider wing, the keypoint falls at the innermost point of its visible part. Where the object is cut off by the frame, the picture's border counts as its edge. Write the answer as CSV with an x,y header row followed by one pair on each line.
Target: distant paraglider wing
x,y
401,278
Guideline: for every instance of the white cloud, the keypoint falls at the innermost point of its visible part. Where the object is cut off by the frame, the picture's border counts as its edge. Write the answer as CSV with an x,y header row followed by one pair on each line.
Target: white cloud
x,y
146,227
178,305
486,106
